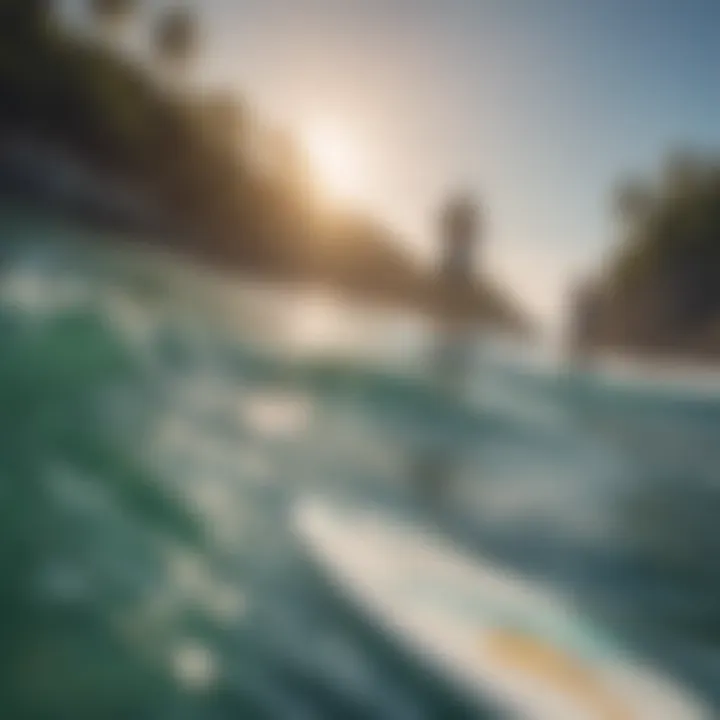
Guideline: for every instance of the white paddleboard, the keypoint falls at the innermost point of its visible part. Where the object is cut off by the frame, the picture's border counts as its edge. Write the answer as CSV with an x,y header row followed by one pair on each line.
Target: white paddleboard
x,y
501,639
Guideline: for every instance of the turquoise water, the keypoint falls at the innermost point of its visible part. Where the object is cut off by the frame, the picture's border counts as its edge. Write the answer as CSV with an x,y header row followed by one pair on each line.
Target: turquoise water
x,y
158,423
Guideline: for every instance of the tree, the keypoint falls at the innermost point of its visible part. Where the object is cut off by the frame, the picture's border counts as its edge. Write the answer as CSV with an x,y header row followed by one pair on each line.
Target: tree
x,y
632,199
684,173
176,37
25,15
661,285
111,15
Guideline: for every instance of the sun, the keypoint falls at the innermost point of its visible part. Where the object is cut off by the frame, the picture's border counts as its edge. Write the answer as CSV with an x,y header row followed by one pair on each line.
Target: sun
x,y
334,161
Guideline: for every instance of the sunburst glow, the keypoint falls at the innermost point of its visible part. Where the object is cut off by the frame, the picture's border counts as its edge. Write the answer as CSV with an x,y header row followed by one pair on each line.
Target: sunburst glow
x,y
335,161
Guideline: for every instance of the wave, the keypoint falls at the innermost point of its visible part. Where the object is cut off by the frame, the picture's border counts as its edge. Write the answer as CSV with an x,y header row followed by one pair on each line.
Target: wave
x,y
157,423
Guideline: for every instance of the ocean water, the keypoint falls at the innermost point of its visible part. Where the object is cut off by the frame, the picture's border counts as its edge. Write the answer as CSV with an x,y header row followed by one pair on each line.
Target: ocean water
x,y
160,422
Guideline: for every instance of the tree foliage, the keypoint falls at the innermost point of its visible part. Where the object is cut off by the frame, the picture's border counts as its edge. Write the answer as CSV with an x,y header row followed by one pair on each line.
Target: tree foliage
x,y
662,287
176,36
191,158
112,12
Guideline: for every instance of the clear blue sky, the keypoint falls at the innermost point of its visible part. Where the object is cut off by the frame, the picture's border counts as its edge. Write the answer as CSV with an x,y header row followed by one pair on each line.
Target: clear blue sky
x,y
537,105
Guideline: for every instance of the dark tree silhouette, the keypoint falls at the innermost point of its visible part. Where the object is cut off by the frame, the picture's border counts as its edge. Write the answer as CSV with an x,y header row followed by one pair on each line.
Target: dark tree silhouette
x,y
78,104
111,15
661,289
176,37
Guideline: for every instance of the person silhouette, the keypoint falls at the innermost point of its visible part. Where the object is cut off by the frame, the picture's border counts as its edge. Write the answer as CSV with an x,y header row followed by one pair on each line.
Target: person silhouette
x,y
451,340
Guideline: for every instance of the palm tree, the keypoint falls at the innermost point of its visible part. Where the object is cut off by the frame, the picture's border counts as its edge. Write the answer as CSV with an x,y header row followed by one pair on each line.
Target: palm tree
x,y
110,15
176,37
684,172
632,201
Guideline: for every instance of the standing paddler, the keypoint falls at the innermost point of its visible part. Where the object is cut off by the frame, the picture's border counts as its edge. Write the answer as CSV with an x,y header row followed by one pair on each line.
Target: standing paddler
x,y
452,342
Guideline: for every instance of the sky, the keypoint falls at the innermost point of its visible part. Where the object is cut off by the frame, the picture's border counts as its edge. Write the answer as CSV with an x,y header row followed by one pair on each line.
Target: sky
x,y
538,107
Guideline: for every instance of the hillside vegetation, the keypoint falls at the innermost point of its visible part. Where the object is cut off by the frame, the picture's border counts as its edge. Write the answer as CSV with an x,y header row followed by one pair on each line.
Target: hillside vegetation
x,y
660,292
185,163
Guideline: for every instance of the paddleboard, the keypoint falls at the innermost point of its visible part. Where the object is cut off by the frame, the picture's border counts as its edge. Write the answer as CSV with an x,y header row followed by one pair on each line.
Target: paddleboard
x,y
491,633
